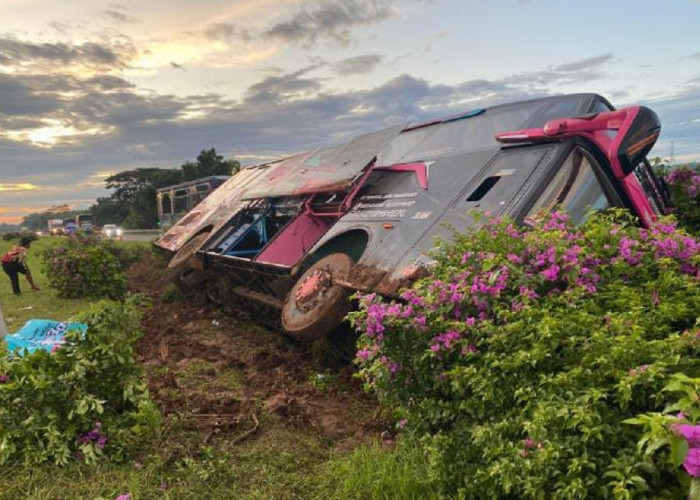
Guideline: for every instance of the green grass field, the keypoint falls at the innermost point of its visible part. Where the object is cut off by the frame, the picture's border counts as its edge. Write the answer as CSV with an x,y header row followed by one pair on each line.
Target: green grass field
x,y
44,304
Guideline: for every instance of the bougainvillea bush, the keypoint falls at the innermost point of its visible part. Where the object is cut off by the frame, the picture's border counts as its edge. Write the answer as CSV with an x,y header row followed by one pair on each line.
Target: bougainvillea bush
x,y
84,401
684,187
85,266
533,362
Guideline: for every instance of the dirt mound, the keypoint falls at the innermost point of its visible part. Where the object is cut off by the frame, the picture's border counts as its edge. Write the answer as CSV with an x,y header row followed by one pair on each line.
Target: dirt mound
x,y
226,374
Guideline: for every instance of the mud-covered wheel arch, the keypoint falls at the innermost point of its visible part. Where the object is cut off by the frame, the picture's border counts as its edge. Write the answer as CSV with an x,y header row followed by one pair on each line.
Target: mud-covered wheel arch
x,y
352,243
180,266
316,305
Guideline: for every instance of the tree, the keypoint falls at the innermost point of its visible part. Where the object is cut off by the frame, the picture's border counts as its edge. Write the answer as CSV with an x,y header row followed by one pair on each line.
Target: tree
x,y
109,210
127,183
38,220
133,201
209,163
133,198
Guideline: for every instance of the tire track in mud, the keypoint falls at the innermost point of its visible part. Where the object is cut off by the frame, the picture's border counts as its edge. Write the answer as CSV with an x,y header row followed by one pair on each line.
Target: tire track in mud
x,y
224,372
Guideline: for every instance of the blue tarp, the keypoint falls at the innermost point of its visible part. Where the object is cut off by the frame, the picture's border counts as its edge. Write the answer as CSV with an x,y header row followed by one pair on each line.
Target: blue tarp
x,y
41,334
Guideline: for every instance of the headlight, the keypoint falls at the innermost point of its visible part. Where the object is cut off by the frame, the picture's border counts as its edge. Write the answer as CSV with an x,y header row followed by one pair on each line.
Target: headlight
x,y
119,232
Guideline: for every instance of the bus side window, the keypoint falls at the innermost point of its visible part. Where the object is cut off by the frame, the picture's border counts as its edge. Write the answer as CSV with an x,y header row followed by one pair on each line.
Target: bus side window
x,y
575,188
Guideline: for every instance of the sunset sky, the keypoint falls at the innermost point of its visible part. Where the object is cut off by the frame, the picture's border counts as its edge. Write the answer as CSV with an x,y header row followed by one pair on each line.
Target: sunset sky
x,y
90,88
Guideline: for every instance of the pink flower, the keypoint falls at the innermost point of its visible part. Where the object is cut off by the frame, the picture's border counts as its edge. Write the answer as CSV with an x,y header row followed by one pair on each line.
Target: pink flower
x,y
690,433
4,379
364,354
514,258
126,496
692,462
470,349
551,273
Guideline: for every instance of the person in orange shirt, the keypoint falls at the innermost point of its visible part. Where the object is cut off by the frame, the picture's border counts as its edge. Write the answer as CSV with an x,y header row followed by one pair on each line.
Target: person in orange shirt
x,y
14,263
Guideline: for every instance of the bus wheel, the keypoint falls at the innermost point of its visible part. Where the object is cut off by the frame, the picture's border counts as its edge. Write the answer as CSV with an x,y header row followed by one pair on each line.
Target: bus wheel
x,y
316,306
180,267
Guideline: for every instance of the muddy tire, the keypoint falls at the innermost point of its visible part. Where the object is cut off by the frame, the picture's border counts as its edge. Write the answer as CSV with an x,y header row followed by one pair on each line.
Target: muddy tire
x,y
316,306
180,267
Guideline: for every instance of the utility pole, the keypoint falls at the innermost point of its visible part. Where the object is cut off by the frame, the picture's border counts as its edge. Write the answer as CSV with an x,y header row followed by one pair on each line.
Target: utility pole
x,y
673,154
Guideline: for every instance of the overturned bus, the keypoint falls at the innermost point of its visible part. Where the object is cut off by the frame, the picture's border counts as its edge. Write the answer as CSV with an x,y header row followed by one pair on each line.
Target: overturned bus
x,y
297,236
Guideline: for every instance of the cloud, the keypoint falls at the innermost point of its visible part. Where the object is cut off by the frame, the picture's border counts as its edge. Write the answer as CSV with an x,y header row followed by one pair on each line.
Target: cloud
x,y
359,65
275,89
587,63
23,186
582,70
692,57
15,53
224,32
119,16
330,20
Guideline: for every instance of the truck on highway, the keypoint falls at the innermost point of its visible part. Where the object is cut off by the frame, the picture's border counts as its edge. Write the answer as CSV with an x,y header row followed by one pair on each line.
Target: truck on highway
x,y
55,227
295,237
83,223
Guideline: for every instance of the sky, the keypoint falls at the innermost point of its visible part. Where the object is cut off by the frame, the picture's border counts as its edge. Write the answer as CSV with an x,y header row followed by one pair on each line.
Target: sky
x,y
91,88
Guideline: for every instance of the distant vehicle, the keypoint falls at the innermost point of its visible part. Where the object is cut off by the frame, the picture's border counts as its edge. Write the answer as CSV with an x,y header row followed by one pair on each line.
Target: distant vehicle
x,y
83,223
294,238
112,231
56,227
69,227
177,200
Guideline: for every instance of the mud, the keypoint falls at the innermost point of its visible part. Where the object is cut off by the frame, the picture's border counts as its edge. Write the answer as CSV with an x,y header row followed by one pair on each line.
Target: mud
x,y
222,372
370,279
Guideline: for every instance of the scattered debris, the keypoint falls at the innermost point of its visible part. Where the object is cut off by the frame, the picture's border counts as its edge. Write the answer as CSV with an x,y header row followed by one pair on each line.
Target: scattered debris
x,y
41,334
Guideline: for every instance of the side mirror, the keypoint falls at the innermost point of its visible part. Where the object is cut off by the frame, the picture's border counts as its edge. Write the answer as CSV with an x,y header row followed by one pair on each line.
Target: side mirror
x,y
637,139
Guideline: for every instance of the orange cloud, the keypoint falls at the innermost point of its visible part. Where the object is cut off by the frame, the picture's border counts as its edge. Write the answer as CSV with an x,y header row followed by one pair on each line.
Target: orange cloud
x,y
14,215
22,186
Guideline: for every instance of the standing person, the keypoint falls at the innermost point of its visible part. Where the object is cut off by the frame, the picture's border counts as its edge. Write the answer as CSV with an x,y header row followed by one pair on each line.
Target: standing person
x,y
14,263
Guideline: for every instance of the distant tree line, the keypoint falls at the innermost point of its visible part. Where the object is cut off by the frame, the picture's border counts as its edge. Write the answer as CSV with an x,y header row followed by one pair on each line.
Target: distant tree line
x,y
132,202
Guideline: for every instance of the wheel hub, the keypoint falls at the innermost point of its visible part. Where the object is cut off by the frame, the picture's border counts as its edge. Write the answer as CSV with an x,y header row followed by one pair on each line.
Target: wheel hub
x,y
311,287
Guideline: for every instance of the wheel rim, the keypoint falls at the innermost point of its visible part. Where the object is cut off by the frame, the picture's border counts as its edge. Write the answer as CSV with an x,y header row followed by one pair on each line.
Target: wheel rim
x,y
316,305
187,250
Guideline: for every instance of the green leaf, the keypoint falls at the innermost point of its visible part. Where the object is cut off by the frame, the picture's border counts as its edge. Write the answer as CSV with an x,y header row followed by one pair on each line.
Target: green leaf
x,y
694,493
679,449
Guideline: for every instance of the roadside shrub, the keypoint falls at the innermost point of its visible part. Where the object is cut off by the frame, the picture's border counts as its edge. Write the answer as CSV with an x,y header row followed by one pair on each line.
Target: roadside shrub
x,y
684,185
519,361
86,400
131,254
85,266
11,236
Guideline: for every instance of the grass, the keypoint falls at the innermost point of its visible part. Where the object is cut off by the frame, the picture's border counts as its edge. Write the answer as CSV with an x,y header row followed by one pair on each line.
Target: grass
x,y
282,463
44,304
